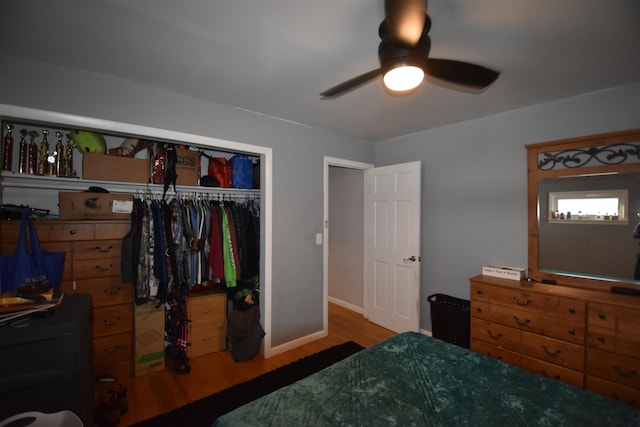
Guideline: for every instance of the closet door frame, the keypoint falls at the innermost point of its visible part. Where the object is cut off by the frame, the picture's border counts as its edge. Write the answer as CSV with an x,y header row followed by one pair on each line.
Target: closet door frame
x,y
11,112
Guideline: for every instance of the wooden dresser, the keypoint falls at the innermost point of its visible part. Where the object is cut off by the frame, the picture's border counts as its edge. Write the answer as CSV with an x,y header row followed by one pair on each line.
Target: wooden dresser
x,y
207,314
583,337
92,266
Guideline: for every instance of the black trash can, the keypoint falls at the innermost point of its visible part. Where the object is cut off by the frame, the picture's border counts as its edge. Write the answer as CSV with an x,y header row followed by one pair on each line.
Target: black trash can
x,y
450,319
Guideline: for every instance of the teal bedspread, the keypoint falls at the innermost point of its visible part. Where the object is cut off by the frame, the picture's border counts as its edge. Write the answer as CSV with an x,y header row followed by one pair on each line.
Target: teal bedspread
x,y
415,380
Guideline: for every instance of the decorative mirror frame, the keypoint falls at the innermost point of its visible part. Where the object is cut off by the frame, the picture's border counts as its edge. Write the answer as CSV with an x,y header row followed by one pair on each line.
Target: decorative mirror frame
x,y
587,155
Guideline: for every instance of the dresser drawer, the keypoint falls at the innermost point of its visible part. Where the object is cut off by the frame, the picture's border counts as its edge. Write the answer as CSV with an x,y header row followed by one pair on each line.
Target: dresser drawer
x,y
614,367
112,349
601,338
489,350
526,320
98,249
554,351
495,334
10,230
570,310
480,308
71,232
94,268
601,315
622,393
106,291
112,230
551,370
572,331
206,339
207,309
112,320
515,297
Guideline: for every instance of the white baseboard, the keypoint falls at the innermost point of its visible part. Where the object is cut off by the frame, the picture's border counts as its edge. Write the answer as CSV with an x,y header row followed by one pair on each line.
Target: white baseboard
x,y
346,305
321,334
297,343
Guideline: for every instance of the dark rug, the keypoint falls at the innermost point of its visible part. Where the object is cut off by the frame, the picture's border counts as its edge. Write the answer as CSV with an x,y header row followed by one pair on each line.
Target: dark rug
x,y
203,412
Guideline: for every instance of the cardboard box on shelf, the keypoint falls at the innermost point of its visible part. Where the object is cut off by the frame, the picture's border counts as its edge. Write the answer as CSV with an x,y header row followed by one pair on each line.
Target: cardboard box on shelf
x,y
107,167
84,205
149,338
187,166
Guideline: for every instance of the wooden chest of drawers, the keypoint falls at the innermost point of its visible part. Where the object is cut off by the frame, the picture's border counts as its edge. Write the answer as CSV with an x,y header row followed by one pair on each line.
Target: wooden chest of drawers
x,y
524,326
92,266
207,313
583,337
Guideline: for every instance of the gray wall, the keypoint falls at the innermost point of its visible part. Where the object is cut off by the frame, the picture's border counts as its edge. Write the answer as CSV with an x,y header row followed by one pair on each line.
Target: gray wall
x,y
473,188
298,163
346,235
474,182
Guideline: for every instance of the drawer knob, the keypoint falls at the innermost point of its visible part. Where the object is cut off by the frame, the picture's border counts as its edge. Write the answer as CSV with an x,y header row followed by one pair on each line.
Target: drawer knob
x,y
110,322
491,335
602,316
601,339
524,322
572,310
627,374
479,293
572,332
551,353
113,350
72,231
523,302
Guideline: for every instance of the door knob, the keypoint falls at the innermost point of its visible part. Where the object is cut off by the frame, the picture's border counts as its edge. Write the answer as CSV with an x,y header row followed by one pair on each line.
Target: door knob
x,y
412,258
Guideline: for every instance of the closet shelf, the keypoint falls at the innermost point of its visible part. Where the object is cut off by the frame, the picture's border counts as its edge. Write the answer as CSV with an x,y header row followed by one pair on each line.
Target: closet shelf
x,y
16,180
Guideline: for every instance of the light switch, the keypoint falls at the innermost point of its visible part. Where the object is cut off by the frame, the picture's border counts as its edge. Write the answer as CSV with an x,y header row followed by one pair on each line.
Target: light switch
x,y
318,238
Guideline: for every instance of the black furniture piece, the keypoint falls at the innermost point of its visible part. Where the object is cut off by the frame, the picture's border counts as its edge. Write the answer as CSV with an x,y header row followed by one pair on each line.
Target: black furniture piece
x,y
46,365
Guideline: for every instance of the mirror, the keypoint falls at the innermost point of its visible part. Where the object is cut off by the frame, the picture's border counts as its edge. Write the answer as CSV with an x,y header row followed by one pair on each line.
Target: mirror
x,y
603,248
594,251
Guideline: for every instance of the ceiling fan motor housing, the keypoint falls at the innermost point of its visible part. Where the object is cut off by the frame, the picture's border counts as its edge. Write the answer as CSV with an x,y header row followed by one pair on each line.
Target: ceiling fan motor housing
x,y
393,53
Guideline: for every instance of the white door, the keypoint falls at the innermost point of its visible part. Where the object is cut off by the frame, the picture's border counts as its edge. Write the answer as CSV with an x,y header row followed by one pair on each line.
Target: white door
x,y
392,246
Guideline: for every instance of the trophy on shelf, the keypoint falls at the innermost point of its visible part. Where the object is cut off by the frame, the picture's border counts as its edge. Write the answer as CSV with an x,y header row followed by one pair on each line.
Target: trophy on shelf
x,y
59,154
8,148
32,161
68,156
23,153
43,163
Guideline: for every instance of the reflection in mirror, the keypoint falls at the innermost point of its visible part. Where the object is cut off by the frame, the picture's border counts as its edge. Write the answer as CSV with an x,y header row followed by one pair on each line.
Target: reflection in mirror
x,y
602,249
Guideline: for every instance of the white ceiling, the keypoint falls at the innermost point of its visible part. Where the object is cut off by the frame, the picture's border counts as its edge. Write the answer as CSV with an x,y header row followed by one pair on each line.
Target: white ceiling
x,y
274,57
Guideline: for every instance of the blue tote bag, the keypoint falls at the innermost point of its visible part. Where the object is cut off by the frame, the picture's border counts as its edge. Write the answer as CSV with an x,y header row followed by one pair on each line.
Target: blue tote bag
x,y
26,271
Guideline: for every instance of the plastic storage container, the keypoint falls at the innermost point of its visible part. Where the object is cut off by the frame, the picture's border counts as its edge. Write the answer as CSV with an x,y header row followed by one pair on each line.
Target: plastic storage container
x,y
450,319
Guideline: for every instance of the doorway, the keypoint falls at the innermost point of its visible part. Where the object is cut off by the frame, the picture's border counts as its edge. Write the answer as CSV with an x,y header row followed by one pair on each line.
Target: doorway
x,y
343,235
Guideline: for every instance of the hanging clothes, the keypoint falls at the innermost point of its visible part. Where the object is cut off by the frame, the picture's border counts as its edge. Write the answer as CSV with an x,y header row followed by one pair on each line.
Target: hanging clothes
x,y
187,245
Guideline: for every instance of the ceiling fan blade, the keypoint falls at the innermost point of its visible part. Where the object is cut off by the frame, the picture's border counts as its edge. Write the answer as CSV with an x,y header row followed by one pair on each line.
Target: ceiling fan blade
x,y
462,73
405,19
351,84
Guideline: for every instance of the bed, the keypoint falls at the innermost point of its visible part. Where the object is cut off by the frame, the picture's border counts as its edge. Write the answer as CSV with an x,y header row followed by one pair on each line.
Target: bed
x,y
415,380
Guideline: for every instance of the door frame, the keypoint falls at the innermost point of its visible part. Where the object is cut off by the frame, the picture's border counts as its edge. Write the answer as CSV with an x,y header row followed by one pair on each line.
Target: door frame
x,y
328,163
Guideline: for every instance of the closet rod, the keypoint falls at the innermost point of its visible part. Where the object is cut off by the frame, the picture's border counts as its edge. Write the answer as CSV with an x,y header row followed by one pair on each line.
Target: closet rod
x,y
202,195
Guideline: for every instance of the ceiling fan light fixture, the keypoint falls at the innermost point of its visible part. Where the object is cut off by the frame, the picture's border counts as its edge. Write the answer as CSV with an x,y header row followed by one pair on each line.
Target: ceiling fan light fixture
x,y
403,78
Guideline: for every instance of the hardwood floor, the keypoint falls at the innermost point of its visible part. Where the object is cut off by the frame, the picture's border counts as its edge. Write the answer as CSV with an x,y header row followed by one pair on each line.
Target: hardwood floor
x,y
164,391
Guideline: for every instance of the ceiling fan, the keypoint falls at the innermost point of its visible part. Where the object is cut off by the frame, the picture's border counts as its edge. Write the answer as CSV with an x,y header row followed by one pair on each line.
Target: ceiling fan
x,y
404,55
